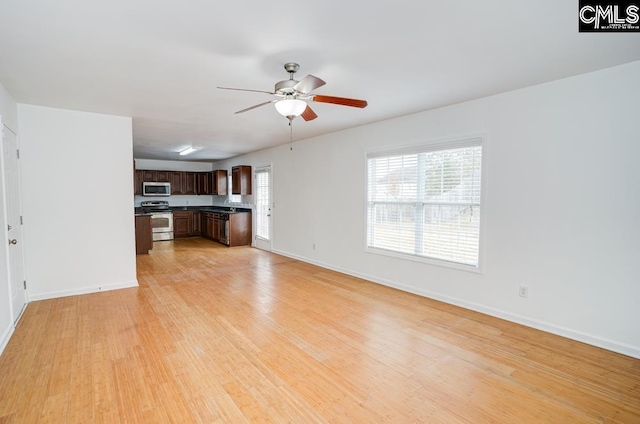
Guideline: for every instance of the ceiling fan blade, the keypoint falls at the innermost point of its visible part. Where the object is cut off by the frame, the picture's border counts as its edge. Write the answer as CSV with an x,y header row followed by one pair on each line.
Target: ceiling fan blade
x,y
309,114
308,84
244,89
254,107
340,101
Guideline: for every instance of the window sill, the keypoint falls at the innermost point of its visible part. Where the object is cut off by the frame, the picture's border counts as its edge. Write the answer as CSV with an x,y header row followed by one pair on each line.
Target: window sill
x,y
425,260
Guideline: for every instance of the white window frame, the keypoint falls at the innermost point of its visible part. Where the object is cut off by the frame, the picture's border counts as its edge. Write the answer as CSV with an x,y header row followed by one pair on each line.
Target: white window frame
x,y
435,145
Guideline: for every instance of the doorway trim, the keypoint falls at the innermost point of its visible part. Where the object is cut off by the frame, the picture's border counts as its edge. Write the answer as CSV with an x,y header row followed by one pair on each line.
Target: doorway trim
x,y
260,242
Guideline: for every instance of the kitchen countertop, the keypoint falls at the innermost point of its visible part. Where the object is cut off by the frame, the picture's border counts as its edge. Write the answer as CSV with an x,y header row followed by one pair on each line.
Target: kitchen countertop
x,y
213,209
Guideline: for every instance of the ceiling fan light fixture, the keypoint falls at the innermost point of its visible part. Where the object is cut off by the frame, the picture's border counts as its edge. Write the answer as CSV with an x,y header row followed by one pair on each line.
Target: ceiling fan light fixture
x,y
291,107
187,151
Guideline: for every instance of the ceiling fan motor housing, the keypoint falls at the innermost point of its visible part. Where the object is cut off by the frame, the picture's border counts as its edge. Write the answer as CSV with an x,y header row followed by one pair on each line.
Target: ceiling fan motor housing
x,y
285,87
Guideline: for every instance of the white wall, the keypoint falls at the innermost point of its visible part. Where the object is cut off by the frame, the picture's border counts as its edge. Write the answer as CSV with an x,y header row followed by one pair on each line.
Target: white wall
x,y
173,165
8,110
8,117
561,205
77,193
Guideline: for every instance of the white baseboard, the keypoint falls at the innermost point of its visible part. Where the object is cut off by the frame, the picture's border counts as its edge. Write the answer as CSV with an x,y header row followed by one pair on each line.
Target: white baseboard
x,y
83,290
625,349
6,336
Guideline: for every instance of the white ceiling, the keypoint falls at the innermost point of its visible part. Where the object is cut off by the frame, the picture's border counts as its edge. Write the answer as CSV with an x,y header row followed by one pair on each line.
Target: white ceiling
x,y
160,61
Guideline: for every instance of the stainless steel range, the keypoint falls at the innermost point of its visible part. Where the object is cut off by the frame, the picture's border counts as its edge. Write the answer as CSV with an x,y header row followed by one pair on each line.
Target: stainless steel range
x,y
161,219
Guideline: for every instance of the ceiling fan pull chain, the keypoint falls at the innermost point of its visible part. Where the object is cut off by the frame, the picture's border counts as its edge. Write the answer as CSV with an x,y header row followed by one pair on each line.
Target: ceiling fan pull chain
x,y
290,135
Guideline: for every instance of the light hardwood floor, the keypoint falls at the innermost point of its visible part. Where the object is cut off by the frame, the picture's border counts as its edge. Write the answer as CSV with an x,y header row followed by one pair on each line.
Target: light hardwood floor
x,y
240,335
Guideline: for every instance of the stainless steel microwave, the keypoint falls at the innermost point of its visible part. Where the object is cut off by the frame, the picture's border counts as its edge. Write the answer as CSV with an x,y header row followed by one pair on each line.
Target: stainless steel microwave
x,y
156,189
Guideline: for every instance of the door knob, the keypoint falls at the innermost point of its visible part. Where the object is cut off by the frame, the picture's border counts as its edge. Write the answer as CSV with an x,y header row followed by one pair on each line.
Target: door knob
x,y
13,241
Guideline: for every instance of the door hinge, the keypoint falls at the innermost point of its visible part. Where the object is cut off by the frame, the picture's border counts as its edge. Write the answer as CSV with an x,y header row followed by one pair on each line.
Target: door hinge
x,y
21,220
24,283
18,153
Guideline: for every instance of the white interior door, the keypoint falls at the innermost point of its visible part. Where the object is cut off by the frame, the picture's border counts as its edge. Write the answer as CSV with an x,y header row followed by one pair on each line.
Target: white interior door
x,y
263,208
14,222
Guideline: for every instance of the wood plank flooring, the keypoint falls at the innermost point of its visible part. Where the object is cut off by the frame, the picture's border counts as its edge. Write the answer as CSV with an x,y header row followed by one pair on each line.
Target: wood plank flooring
x,y
218,335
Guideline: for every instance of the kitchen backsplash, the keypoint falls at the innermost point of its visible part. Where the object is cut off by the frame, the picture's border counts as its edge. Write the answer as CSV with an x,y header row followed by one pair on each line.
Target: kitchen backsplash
x,y
183,200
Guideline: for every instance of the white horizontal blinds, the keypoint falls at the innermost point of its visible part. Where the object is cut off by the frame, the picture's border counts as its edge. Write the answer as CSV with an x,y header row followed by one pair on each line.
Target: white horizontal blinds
x,y
426,203
262,203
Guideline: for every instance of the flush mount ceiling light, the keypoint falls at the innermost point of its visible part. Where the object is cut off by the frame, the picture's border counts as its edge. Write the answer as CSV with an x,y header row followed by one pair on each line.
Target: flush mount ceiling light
x,y
187,151
291,107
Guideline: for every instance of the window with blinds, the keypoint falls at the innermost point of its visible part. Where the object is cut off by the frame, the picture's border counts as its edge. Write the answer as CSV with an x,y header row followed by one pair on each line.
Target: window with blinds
x,y
425,202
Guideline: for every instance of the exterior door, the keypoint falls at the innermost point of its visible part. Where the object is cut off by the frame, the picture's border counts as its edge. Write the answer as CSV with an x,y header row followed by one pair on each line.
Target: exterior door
x,y
263,209
14,225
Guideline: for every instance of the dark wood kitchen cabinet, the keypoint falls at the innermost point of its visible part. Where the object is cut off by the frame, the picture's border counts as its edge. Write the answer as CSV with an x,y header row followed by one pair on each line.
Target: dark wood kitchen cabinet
x,y
181,224
175,178
163,176
219,182
189,183
183,182
240,230
204,180
208,222
137,182
241,179
196,223
186,223
144,236
148,175
217,225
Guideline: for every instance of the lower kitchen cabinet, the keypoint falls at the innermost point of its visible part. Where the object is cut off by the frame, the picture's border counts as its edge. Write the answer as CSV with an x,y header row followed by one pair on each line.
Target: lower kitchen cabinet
x,y
196,223
210,226
240,229
182,224
186,224
144,236
231,229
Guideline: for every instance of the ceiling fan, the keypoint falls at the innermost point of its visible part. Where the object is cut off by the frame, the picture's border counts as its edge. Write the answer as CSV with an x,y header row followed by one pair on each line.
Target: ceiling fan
x,y
292,96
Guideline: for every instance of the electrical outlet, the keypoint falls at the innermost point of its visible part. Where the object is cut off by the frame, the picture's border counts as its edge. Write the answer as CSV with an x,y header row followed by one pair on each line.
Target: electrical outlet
x,y
524,291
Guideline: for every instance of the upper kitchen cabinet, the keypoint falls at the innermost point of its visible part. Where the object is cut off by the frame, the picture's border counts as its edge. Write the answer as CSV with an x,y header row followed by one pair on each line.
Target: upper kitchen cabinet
x,y
163,176
182,182
219,183
175,178
203,183
149,176
241,179
189,183
137,182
